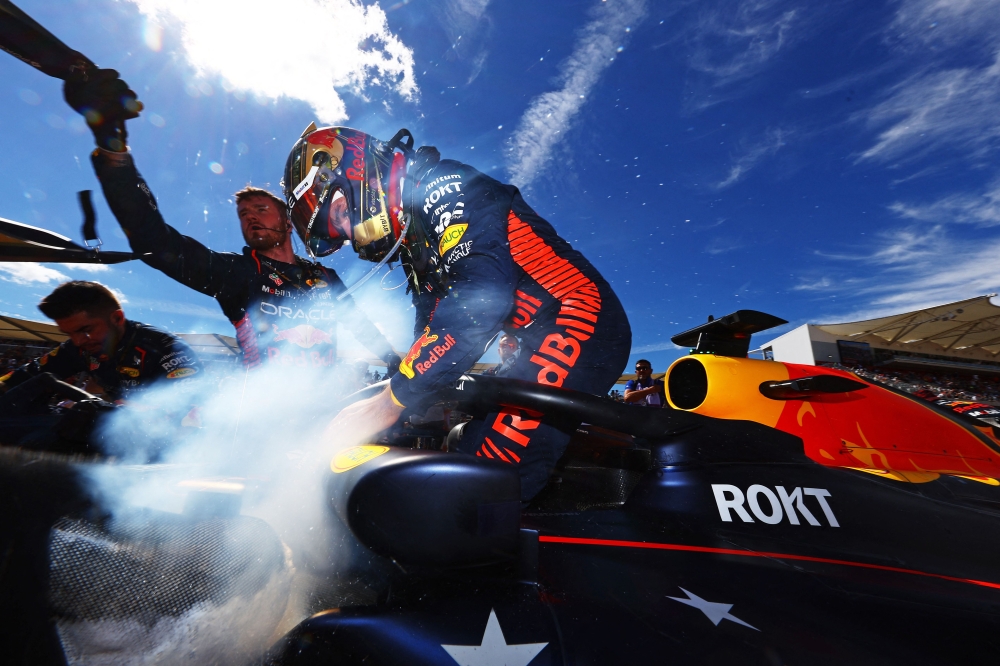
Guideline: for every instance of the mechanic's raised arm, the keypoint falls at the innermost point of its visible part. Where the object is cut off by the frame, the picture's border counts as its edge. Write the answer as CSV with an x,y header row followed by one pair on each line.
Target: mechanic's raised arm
x,y
164,248
106,102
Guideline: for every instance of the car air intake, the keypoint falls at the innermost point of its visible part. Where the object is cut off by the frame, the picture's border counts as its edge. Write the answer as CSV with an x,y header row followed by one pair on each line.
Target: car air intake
x,y
687,384
426,508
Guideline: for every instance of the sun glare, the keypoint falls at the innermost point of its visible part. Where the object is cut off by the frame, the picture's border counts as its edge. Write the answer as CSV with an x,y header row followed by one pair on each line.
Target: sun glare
x,y
302,49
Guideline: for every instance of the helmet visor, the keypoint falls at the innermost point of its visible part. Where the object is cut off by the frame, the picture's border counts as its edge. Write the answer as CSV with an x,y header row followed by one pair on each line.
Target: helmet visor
x,y
320,213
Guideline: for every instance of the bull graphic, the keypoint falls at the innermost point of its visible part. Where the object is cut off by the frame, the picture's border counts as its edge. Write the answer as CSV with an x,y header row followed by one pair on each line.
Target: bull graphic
x,y
406,365
303,335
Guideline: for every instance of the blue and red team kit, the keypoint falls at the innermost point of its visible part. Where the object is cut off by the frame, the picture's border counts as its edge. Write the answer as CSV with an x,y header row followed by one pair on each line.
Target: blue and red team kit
x,y
506,269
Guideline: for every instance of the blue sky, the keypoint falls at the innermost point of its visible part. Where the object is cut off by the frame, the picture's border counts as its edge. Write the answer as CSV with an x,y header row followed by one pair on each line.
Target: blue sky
x,y
819,161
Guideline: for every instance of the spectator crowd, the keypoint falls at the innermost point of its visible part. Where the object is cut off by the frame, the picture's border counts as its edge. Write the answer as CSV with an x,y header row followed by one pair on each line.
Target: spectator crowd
x,y
14,354
974,388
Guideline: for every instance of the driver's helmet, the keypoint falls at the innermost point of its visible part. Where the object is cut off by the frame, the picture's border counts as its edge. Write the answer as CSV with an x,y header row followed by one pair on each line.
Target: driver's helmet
x,y
336,183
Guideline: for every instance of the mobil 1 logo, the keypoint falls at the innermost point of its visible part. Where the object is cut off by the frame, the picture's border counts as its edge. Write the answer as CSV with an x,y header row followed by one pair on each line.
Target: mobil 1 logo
x,y
772,506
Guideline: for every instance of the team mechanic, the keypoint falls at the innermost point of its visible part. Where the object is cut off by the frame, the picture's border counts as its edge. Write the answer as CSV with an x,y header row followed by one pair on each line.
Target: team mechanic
x,y
479,261
122,356
284,307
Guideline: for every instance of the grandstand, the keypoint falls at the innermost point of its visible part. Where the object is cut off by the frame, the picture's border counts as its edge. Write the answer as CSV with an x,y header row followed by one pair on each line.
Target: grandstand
x,y
951,349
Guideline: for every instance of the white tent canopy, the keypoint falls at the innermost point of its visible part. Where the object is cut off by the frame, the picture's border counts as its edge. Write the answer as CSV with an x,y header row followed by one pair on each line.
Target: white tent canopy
x,y
968,329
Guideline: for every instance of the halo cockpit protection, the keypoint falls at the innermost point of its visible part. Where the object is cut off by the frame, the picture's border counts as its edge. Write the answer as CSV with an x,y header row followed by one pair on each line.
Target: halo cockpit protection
x,y
343,185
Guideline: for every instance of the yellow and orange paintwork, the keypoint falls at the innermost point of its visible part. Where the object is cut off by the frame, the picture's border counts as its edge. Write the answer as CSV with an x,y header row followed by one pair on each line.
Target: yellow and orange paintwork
x,y
870,430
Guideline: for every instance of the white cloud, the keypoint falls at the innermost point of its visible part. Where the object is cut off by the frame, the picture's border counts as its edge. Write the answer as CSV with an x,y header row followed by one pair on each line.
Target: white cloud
x,y
822,284
474,8
29,272
907,247
957,109
722,245
733,41
946,20
467,24
178,307
919,267
119,294
88,268
656,346
302,49
773,142
956,271
981,209
550,115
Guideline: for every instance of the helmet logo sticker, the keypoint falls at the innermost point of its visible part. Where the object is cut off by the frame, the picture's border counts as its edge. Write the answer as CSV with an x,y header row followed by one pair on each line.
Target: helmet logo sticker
x,y
356,144
306,184
451,236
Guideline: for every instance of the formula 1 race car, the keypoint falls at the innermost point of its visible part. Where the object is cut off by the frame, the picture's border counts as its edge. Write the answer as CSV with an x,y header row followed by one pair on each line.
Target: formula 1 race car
x,y
774,514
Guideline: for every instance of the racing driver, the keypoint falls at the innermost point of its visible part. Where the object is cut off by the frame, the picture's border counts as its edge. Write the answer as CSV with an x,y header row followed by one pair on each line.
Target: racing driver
x,y
285,308
479,260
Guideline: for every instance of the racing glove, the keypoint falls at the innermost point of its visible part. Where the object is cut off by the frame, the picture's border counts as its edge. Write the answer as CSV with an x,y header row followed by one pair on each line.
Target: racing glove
x,y
106,102
392,362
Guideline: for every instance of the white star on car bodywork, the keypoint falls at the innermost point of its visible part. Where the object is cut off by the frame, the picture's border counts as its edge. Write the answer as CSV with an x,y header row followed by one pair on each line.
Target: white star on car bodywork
x,y
714,611
494,650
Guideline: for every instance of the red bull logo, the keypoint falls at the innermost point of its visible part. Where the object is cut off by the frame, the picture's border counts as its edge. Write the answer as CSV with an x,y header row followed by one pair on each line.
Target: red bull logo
x,y
304,335
425,339
437,351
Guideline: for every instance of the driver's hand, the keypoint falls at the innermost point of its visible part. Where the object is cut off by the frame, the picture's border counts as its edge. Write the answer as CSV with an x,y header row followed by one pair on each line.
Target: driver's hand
x,y
359,422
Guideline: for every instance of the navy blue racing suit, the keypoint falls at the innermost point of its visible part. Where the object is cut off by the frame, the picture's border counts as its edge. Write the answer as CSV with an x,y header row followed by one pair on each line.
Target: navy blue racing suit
x,y
284,314
144,355
506,269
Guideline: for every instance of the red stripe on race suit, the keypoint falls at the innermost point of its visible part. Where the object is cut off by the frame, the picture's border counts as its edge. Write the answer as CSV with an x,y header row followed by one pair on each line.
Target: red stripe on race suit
x,y
752,553
579,299
246,338
577,294
495,449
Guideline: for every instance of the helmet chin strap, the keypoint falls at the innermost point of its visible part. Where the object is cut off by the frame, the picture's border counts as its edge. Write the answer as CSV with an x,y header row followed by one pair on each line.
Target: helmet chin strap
x,y
398,142
379,265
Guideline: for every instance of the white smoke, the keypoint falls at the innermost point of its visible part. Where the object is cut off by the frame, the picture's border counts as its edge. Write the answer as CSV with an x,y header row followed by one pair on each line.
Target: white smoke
x,y
257,443
302,49
254,446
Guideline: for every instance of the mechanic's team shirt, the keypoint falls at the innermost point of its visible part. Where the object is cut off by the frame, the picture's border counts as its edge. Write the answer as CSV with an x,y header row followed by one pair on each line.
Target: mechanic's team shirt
x,y
144,355
283,313
653,400
506,269
287,314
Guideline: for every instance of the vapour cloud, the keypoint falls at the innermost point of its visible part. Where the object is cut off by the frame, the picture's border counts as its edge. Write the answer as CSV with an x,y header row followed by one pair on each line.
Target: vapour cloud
x,y
301,49
256,440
